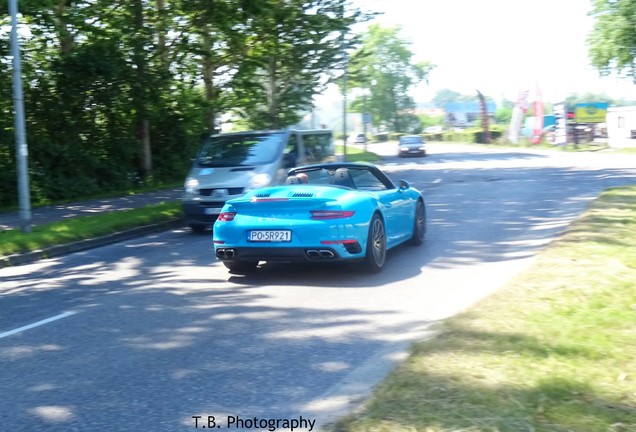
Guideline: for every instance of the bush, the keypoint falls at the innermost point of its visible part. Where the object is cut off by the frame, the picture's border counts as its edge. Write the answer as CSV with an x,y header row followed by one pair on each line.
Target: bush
x,y
381,137
433,136
480,136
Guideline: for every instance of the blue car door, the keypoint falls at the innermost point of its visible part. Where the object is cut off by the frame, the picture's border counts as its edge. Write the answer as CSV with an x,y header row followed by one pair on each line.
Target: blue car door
x,y
398,215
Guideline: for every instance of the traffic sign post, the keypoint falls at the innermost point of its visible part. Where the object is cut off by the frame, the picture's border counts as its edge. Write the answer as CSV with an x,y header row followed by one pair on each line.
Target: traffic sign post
x,y
22,152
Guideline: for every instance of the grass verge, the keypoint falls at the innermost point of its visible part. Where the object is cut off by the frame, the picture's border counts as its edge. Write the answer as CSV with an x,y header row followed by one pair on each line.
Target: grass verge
x,y
570,148
355,154
554,350
84,227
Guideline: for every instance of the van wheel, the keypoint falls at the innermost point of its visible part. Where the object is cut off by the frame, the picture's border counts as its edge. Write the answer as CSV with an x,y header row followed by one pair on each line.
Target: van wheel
x,y
240,267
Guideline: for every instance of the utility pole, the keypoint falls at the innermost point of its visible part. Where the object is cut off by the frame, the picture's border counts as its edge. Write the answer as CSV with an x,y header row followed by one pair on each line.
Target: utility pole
x,y
344,113
344,96
22,151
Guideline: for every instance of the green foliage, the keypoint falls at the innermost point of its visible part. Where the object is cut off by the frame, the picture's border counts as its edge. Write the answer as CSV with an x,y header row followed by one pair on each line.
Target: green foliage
x,y
113,94
473,135
446,96
292,52
572,99
357,155
612,46
503,115
384,70
551,351
431,120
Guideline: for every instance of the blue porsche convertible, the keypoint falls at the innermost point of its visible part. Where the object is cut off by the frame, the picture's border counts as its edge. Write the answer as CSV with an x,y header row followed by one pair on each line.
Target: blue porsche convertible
x,y
343,211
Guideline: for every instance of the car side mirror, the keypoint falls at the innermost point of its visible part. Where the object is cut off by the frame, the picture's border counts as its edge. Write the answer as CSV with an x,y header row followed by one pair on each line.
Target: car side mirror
x,y
403,185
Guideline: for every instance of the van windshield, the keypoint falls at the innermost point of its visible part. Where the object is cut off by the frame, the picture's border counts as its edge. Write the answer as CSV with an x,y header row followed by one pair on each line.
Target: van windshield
x,y
248,149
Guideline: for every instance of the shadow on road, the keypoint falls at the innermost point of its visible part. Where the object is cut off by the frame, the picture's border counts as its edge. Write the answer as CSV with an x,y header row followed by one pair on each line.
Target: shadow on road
x,y
164,339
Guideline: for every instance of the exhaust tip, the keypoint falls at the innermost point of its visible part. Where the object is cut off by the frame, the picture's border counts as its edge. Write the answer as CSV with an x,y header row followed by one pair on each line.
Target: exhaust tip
x,y
225,254
320,253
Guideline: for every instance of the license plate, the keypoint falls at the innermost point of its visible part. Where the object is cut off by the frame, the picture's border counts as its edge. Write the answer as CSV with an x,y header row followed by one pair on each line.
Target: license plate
x,y
269,236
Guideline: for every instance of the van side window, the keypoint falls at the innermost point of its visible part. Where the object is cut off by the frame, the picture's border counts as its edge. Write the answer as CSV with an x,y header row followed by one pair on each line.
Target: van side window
x,y
291,151
316,147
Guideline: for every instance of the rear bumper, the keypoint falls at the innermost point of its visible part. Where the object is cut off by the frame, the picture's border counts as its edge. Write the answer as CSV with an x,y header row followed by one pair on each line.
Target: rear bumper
x,y
350,251
413,153
277,254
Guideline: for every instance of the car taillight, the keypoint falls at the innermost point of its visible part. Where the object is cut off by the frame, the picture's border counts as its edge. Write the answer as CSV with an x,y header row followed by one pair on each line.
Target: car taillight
x,y
226,217
330,214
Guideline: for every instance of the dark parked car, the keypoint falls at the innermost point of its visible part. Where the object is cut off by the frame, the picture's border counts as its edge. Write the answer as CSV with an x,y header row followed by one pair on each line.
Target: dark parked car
x,y
411,145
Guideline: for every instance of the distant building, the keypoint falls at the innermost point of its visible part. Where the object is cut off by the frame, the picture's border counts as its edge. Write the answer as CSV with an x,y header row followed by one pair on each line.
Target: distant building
x,y
621,126
432,112
463,114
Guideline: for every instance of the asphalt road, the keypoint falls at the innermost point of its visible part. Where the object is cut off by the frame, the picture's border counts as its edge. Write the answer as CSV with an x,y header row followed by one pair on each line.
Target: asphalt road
x,y
154,334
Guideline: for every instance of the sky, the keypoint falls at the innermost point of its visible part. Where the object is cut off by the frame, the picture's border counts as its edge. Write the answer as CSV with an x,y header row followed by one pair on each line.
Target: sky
x,y
500,47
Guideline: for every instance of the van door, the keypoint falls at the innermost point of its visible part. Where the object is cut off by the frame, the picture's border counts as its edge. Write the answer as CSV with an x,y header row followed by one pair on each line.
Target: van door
x,y
291,152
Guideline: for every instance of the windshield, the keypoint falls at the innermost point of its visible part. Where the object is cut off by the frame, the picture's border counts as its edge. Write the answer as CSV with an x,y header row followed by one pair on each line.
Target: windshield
x,y
356,177
411,140
259,148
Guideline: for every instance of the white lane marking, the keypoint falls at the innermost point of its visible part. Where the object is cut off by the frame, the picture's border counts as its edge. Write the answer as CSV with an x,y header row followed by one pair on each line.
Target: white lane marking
x,y
37,324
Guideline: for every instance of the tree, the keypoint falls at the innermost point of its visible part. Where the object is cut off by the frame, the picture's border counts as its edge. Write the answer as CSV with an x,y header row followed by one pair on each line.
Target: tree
x,y
612,41
384,71
484,117
294,49
574,98
446,96
213,41
92,82
118,92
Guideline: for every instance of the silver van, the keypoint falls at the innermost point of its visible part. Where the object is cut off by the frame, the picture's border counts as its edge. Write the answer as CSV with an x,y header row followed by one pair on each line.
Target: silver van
x,y
230,164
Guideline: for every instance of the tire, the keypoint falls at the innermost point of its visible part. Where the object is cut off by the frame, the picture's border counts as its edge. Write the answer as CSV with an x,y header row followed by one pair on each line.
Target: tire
x,y
376,245
240,267
419,225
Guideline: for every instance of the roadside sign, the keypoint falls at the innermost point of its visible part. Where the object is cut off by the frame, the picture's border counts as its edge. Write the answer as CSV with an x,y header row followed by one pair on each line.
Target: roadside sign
x,y
560,135
591,112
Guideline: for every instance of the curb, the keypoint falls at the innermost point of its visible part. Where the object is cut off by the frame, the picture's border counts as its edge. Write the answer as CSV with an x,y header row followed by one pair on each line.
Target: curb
x,y
54,251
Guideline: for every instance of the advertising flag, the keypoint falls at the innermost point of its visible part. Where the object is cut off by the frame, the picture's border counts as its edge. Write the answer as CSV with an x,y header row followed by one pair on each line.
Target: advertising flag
x,y
517,117
537,128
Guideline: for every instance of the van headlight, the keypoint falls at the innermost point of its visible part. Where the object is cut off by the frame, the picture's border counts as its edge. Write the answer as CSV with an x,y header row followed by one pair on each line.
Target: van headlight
x,y
260,180
191,185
